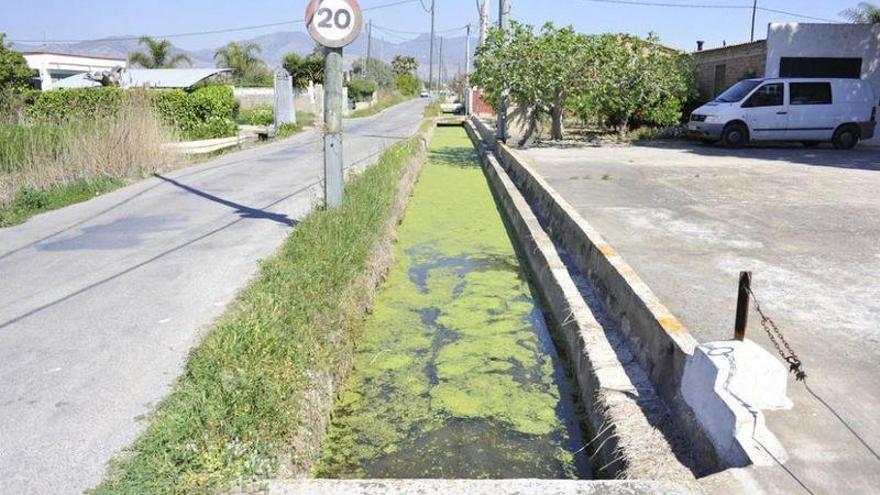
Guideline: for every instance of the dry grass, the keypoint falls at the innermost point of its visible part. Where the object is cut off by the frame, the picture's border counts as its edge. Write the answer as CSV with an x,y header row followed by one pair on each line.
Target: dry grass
x,y
40,157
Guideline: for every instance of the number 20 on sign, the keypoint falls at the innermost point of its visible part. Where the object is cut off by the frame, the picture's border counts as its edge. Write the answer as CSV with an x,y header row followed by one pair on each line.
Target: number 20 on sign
x,y
334,23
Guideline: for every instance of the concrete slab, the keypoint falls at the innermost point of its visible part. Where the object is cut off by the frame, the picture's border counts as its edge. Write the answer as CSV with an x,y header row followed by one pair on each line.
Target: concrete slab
x,y
688,218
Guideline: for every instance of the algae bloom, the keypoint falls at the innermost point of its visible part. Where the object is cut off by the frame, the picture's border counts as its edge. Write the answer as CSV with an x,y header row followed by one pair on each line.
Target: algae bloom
x,y
455,374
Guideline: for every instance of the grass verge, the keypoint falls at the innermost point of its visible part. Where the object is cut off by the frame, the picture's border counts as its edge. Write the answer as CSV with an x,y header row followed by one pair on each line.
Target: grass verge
x,y
386,101
29,202
255,394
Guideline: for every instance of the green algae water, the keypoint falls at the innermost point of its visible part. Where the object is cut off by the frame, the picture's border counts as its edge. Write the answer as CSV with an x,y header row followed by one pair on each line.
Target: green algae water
x,y
455,375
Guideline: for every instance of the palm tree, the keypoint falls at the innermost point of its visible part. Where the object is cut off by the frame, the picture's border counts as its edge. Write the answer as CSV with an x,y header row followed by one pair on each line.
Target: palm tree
x,y
159,56
865,13
242,58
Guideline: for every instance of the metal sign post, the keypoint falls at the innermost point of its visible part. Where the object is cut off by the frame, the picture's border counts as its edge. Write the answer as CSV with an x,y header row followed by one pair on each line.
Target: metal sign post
x,y
334,24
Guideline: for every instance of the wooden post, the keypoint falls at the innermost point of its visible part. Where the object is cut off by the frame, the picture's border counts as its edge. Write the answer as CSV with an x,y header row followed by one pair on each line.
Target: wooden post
x,y
742,306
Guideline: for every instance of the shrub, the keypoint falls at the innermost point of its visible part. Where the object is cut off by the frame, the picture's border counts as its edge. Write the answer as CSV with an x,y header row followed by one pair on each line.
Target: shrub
x,y
361,89
201,114
408,84
261,115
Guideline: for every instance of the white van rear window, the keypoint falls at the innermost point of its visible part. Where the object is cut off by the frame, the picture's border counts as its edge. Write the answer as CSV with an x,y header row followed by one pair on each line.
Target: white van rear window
x,y
818,93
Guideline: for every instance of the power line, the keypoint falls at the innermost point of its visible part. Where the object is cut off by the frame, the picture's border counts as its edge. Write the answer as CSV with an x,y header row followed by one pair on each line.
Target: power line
x,y
398,31
644,3
204,33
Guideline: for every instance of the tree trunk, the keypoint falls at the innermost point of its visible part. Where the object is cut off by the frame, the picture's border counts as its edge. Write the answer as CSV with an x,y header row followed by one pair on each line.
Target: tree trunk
x,y
623,127
557,133
531,114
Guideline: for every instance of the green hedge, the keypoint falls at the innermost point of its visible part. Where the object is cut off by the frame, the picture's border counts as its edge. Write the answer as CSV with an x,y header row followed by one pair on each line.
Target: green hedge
x,y
361,89
205,113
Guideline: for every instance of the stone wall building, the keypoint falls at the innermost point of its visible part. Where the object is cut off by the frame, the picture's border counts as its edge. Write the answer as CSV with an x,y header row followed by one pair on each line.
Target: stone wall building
x,y
719,68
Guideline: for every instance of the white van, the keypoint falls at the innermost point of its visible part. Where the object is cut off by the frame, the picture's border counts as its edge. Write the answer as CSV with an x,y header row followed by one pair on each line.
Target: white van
x,y
812,111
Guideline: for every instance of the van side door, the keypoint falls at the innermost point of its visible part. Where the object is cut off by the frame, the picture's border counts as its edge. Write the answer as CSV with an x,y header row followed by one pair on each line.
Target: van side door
x,y
812,114
766,112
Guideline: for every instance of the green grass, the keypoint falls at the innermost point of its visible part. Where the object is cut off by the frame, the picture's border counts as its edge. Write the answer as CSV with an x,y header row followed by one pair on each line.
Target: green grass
x,y
384,102
303,120
16,142
235,412
29,202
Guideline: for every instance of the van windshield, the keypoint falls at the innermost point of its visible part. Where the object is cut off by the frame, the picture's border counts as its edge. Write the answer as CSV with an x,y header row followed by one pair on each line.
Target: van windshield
x,y
738,91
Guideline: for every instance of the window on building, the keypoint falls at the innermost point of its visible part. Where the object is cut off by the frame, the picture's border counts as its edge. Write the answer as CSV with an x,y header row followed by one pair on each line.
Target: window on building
x,y
810,93
720,79
768,95
849,68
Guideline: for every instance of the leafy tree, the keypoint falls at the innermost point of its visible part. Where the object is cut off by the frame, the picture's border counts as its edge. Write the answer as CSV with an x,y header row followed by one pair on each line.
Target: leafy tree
x,y
243,59
402,64
408,84
304,69
377,71
158,55
864,13
541,71
636,81
15,75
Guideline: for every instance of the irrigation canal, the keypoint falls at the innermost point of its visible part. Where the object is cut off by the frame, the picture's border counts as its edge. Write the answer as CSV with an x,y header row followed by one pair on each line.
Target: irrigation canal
x,y
456,374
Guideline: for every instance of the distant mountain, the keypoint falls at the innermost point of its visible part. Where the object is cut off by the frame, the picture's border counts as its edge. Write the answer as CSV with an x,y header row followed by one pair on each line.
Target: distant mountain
x,y
275,45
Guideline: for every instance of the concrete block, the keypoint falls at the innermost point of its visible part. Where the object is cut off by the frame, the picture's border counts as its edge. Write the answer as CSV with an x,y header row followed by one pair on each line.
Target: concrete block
x,y
727,385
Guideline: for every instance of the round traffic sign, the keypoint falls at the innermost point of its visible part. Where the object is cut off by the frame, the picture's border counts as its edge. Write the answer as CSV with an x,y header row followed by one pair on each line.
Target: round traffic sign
x,y
334,23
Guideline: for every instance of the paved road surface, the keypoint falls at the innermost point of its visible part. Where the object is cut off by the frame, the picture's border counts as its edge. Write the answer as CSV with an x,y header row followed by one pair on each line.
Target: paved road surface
x,y
100,302
807,222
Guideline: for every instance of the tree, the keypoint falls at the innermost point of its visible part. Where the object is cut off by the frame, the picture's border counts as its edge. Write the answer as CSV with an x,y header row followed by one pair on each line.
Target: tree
x,y
243,59
158,55
539,70
864,13
402,64
377,70
408,84
304,69
636,81
15,75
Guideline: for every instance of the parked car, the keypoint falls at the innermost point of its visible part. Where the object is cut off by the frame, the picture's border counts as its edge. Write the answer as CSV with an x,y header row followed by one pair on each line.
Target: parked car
x,y
425,94
812,111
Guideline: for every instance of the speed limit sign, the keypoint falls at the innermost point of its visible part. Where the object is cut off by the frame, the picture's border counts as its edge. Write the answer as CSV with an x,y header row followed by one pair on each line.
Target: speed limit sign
x,y
334,23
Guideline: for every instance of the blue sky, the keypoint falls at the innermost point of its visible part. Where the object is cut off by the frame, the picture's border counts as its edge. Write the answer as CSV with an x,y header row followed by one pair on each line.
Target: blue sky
x,y
678,27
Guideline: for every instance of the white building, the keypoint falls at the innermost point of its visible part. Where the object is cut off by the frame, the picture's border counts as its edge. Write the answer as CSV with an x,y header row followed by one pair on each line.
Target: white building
x,y
56,66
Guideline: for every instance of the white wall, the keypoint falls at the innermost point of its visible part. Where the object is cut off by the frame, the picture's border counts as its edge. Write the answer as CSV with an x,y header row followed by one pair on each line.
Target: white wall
x,y
827,40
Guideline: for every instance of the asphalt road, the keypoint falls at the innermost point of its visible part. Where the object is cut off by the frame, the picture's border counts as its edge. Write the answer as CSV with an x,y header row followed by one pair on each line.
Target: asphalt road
x,y
688,218
101,301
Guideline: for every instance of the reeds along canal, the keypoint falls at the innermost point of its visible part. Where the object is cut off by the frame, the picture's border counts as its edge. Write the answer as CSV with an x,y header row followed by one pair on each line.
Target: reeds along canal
x,y
456,374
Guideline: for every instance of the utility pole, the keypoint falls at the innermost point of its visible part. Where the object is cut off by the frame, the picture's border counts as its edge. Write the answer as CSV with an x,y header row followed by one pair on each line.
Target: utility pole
x,y
484,21
503,24
369,48
754,11
440,67
467,73
431,50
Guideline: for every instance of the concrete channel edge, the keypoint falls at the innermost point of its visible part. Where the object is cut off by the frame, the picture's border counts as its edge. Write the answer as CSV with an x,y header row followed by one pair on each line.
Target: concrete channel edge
x,y
627,443
660,342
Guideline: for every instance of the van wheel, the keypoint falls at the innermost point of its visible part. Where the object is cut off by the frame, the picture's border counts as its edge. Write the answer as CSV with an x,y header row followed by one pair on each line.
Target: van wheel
x,y
811,144
735,135
846,137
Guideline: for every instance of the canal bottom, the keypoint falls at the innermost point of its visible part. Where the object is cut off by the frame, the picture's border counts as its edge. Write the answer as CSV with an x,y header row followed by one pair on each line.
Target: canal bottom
x,y
455,374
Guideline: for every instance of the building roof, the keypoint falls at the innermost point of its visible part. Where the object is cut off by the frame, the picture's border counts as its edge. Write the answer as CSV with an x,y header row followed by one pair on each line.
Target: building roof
x,y
729,47
81,55
148,78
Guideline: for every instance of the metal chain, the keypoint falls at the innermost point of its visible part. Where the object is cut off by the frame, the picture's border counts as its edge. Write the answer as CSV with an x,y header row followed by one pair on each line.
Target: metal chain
x,y
794,362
